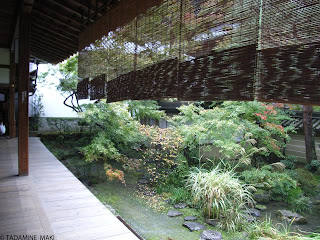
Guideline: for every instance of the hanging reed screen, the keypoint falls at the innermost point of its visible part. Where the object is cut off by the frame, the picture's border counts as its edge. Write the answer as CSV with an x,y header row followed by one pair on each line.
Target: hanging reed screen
x,y
98,87
208,50
83,89
289,56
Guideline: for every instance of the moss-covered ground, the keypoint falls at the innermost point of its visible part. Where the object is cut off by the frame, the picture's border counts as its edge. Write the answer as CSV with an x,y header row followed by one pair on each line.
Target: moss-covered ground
x,y
138,205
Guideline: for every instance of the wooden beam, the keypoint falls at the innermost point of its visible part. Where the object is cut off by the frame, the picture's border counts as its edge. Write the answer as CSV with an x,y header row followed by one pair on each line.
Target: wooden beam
x,y
36,35
64,5
23,97
63,34
12,120
4,66
57,14
47,34
55,21
4,85
48,48
55,28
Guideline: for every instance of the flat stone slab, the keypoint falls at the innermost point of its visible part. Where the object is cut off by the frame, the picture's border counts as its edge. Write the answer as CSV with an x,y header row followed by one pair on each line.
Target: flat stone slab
x,y
190,218
174,213
180,205
194,226
211,235
291,217
143,181
253,212
212,222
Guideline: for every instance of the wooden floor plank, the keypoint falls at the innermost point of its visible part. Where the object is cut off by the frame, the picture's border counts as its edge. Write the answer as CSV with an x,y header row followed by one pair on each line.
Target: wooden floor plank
x,y
51,200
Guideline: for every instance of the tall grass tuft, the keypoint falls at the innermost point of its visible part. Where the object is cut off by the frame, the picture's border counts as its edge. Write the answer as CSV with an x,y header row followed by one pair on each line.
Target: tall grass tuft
x,y
266,230
221,195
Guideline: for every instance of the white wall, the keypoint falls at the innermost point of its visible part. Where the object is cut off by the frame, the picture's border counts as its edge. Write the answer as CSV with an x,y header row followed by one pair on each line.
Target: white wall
x,y
52,99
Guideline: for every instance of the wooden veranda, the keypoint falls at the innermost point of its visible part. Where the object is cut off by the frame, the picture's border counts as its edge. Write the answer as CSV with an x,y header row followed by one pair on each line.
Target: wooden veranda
x,y
50,201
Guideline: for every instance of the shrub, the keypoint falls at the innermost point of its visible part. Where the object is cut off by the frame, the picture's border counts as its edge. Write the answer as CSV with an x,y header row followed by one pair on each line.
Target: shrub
x,y
280,183
289,162
160,152
301,204
221,196
308,182
240,130
313,166
267,230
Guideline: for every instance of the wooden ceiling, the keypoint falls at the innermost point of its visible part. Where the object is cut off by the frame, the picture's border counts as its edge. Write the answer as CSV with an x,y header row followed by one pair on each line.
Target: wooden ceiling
x,y
56,25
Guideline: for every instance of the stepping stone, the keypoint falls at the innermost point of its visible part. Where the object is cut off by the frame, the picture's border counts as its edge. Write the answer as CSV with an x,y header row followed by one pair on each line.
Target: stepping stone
x,y
190,218
253,212
143,181
180,205
212,222
194,226
174,213
211,235
261,207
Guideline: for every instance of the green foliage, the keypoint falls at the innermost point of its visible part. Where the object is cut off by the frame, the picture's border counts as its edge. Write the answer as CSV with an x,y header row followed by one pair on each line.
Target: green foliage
x,y
37,110
221,195
279,183
267,230
160,151
301,204
174,194
113,124
174,184
289,162
144,109
115,131
240,130
313,166
307,181
69,72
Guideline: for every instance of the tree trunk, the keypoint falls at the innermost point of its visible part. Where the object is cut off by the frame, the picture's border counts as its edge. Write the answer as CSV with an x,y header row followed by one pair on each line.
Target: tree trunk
x,y
309,134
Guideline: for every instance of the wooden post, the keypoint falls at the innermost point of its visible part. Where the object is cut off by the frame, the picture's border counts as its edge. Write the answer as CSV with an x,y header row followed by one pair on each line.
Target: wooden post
x,y
12,121
309,134
24,57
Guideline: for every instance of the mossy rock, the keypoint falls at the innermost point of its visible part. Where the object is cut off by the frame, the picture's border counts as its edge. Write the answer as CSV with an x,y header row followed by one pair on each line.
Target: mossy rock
x,y
261,207
261,196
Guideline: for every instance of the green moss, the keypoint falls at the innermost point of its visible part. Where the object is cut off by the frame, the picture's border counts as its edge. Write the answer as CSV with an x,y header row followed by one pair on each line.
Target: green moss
x,y
307,181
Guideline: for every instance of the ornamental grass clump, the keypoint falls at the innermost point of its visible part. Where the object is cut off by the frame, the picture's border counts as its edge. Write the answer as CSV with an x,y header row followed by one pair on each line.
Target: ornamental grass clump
x,y
221,195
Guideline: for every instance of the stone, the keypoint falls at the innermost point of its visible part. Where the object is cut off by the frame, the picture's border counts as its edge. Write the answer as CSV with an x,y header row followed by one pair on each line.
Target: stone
x,y
249,218
212,222
211,235
316,202
180,205
290,217
261,197
174,213
253,212
194,226
190,218
261,207
143,181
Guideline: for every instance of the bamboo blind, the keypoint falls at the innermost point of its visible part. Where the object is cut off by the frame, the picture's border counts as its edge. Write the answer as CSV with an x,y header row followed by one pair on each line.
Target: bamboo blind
x,y
98,87
209,50
83,89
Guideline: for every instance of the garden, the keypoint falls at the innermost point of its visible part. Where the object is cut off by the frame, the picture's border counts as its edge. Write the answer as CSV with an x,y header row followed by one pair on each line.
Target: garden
x,y
219,171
